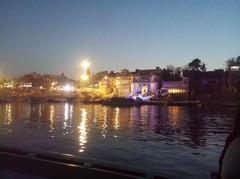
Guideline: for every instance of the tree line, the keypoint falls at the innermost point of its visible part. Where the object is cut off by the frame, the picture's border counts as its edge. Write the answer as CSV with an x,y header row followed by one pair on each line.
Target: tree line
x,y
196,65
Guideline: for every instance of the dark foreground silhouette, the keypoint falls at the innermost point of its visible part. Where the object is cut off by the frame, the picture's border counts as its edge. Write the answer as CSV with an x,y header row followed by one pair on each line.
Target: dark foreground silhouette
x,y
233,137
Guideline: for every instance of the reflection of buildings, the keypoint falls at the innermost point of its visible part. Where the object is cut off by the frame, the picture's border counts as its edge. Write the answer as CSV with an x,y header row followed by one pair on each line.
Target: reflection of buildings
x,y
52,113
116,119
145,82
104,125
8,114
68,113
36,111
40,111
174,115
195,127
83,131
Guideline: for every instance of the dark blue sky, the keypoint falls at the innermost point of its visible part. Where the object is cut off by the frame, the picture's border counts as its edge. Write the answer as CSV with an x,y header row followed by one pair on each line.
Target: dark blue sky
x,y
53,36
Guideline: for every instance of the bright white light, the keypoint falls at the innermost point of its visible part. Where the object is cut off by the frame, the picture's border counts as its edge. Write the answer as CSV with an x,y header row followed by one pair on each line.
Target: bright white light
x,y
9,86
105,77
84,77
85,64
68,88
235,68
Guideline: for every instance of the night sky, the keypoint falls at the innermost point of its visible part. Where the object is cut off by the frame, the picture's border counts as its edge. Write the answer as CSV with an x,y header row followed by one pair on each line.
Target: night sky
x,y
55,36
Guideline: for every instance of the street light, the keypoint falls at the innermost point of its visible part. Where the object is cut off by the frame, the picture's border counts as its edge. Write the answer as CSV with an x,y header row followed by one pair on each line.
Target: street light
x,y
84,77
68,88
85,64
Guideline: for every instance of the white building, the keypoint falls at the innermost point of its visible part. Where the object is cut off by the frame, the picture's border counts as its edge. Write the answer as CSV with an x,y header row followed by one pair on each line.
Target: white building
x,y
145,82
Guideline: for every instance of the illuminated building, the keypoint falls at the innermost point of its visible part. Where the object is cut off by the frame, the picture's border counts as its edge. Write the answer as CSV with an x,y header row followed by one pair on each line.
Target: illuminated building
x,y
145,82
107,83
175,87
122,84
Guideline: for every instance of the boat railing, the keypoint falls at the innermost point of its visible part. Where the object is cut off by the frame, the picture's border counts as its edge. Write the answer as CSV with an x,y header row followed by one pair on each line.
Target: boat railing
x,y
60,165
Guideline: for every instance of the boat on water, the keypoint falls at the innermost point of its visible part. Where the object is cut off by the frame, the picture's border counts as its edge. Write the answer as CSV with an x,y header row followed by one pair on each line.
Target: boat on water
x,y
6,99
122,102
91,101
35,99
57,99
184,103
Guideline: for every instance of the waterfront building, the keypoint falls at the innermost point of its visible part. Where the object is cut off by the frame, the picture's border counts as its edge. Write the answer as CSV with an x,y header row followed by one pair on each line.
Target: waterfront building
x,y
25,85
176,88
96,78
207,83
145,82
123,84
107,83
232,80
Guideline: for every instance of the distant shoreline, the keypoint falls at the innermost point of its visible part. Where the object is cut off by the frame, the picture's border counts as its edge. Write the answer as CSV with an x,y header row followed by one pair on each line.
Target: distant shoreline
x,y
123,102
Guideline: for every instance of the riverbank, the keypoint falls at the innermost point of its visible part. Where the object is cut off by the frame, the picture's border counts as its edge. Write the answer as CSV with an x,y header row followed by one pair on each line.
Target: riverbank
x,y
226,102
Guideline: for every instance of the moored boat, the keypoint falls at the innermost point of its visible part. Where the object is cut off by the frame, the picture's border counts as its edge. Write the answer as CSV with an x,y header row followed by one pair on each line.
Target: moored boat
x,y
57,99
6,99
124,102
35,99
185,103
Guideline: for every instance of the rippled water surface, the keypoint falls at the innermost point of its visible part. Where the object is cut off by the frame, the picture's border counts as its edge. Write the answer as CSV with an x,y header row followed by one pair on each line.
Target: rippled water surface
x,y
178,141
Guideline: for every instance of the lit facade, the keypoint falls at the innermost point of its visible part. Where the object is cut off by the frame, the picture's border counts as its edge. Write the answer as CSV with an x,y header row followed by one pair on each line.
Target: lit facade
x,y
107,84
122,84
175,87
145,82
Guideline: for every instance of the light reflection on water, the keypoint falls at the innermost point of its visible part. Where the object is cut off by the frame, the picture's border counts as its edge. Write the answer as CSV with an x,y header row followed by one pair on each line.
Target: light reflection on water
x,y
160,137
83,130
116,119
51,116
104,125
8,113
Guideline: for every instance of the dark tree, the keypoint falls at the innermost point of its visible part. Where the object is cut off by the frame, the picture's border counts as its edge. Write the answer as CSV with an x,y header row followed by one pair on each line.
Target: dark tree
x,y
170,69
196,65
166,75
170,73
178,71
203,67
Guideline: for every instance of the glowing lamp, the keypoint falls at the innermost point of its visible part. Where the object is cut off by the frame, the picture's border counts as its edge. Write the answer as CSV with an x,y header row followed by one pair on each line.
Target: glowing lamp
x,y
235,68
85,64
67,88
84,77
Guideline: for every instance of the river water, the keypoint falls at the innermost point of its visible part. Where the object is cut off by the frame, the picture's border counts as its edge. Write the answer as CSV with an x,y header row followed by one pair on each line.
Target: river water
x,y
181,142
